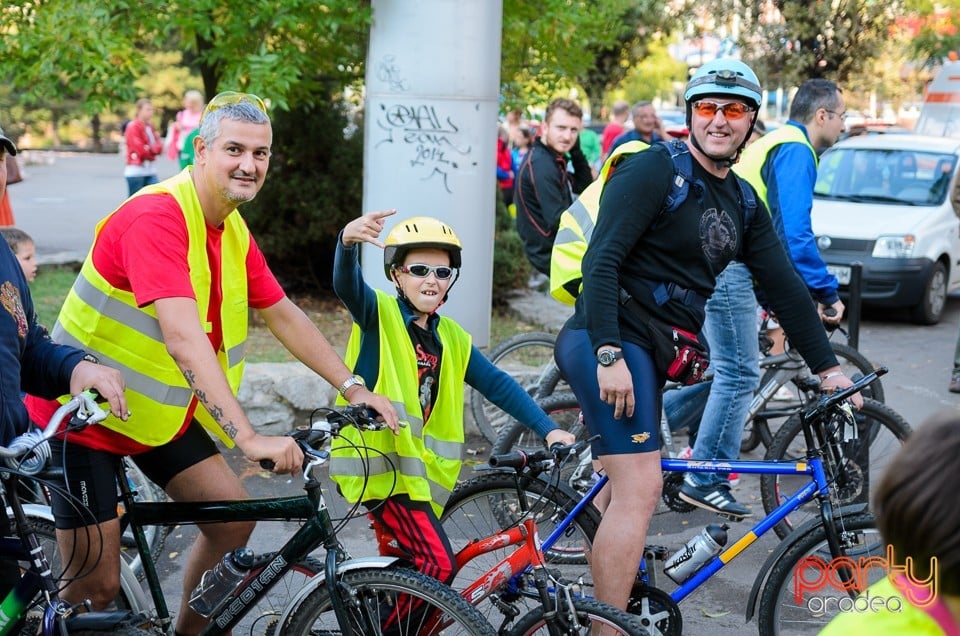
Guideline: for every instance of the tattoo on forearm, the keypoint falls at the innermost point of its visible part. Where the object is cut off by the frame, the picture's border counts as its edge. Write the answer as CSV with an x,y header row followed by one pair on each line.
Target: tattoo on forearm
x,y
215,411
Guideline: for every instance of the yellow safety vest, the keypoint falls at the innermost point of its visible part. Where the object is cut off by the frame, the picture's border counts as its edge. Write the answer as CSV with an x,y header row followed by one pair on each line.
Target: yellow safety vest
x,y
98,317
422,462
576,227
753,158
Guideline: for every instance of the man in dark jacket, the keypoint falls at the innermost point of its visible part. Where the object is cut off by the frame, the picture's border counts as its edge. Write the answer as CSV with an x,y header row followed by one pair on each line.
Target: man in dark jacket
x,y
544,188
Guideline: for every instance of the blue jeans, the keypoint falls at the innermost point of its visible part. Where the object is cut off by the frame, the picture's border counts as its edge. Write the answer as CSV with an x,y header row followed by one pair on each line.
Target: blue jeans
x,y
684,407
135,183
731,329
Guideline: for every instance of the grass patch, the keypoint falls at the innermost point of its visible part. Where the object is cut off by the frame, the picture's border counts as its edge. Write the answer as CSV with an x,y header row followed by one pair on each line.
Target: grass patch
x,y
52,284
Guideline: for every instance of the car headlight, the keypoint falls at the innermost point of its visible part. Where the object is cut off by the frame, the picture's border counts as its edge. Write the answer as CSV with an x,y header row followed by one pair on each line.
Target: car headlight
x,y
895,246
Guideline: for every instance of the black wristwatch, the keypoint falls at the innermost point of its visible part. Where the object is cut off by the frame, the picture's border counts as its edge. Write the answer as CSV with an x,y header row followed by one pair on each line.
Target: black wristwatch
x,y
606,357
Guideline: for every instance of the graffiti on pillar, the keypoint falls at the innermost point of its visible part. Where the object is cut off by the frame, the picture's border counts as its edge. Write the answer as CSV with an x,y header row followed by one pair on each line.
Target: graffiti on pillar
x,y
389,72
432,140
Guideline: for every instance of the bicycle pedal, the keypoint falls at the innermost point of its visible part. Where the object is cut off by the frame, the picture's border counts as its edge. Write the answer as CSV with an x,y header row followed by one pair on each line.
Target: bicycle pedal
x,y
658,552
736,518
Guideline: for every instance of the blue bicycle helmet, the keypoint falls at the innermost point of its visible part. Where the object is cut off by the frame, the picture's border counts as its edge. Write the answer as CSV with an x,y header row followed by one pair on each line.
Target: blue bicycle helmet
x,y
724,77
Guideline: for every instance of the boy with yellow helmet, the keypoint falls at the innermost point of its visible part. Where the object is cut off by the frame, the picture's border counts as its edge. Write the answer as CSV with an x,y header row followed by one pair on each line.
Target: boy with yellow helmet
x,y
420,360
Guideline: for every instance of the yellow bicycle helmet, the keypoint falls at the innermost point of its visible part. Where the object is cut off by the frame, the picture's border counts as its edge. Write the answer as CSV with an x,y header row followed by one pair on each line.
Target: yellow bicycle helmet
x,y
419,231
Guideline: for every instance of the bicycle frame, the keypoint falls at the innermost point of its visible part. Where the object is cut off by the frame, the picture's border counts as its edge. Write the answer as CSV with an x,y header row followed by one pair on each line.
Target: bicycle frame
x,y
816,487
317,530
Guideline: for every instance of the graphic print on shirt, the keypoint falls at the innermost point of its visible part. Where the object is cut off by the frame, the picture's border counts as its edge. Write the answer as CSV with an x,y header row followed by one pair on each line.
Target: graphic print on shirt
x,y
718,235
427,367
10,298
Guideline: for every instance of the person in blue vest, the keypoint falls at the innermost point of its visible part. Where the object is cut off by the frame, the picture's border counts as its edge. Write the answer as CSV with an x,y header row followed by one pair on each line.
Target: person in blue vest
x,y
644,267
421,361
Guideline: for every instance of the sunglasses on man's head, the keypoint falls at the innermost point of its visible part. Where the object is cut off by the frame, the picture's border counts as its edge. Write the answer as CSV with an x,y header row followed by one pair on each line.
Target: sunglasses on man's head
x,y
419,270
731,110
229,98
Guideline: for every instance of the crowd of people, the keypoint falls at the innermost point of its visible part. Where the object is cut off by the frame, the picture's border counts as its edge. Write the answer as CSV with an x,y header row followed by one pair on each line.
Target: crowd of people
x,y
158,316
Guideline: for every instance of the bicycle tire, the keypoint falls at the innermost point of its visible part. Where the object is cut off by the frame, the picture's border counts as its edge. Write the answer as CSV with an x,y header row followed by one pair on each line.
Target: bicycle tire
x,y
780,614
121,631
46,535
588,612
484,505
263,618
525,357
852,363
885,431
564,410
371,590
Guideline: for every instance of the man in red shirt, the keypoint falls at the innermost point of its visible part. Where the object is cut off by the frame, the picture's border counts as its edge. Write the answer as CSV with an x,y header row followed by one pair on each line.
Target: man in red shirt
x,y
621,111
163,297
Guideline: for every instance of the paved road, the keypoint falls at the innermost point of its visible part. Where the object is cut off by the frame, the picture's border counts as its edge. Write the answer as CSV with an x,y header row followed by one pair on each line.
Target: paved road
x,y
59,204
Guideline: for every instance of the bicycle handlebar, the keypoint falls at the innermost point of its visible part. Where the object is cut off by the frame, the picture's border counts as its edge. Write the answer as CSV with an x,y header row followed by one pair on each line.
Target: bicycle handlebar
x,y
29,452
829,400
311,439
518,460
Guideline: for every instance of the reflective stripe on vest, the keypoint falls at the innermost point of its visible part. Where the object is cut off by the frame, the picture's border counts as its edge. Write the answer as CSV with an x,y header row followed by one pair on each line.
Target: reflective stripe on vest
x,y
105,320
576,228
755,155
424,460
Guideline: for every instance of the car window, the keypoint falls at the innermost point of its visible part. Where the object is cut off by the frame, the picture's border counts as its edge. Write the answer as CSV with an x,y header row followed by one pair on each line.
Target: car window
x,y
883,175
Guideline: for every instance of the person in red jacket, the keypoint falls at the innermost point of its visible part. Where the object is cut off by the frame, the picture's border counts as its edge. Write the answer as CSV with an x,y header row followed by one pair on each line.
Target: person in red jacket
x,y
505,168
143,146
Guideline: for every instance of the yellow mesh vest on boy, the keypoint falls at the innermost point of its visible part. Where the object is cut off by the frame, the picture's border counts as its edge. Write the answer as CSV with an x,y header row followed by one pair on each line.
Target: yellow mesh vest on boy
x,y
424,459
98,317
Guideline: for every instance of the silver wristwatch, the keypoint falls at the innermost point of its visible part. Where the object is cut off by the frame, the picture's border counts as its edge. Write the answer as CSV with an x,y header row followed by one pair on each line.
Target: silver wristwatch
x,y
349,382
606,357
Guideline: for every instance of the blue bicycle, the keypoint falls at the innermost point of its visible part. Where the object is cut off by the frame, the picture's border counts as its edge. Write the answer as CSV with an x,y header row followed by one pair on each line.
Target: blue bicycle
x,y
788,593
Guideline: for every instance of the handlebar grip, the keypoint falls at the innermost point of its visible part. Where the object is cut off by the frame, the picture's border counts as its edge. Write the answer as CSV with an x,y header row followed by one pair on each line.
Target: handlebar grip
x,y
516,459
267,464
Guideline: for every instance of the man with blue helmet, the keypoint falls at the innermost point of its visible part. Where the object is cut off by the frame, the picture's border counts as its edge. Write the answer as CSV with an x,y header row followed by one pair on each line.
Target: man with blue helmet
x,y
646,267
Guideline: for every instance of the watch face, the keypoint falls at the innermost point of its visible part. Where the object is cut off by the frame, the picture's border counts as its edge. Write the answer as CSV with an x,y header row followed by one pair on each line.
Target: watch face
x,y
606,357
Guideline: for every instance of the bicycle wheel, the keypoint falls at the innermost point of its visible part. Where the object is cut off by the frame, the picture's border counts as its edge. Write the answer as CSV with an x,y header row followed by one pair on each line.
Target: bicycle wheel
x,y
47,538
865,450
586,615
482,506
786,606
145,490
262,619
371,597
564,410
528,359
853,364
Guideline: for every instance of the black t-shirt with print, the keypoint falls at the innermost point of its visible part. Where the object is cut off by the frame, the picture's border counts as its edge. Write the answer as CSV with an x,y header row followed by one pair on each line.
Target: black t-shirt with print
x,y
633,240
427,350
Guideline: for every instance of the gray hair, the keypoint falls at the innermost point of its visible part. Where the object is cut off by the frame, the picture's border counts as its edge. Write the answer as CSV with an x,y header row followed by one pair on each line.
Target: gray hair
x,y
241,111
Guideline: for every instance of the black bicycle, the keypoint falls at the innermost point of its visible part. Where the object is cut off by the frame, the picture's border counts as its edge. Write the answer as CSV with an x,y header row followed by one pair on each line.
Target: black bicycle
x,y
365,596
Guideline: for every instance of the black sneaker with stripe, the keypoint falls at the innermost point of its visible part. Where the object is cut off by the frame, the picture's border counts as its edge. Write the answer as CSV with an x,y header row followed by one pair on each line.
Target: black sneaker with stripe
x,y
715,498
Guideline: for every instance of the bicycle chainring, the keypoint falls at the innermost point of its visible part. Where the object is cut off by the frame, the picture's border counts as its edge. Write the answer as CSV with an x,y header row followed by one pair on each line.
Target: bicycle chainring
x,y
658,612
671,493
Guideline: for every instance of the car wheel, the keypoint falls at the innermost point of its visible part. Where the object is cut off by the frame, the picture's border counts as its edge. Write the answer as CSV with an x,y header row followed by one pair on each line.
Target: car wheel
x,y
930,307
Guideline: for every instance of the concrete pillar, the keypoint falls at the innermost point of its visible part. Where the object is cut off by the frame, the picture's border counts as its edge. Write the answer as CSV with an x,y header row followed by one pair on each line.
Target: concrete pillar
x,y
432,86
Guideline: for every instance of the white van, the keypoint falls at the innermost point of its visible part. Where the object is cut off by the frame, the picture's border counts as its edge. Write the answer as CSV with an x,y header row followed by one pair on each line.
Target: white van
x,y
940,113
892,203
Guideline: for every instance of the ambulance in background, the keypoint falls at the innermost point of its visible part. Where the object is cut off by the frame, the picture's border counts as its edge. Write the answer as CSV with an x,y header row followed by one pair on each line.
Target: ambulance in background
x,y
940,113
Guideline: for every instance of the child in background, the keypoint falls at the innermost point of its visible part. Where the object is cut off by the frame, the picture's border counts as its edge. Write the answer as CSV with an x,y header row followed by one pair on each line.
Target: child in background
x,y
23,247
422,362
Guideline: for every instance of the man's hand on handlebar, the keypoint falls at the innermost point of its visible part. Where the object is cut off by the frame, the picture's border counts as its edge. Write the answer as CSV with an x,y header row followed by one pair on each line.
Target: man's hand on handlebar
x,y
380,404
107,382
831,314
560,436
283,452
833,379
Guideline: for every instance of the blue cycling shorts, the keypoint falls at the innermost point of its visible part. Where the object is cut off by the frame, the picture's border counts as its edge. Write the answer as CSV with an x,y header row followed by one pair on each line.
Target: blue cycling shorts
x,y
640,433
